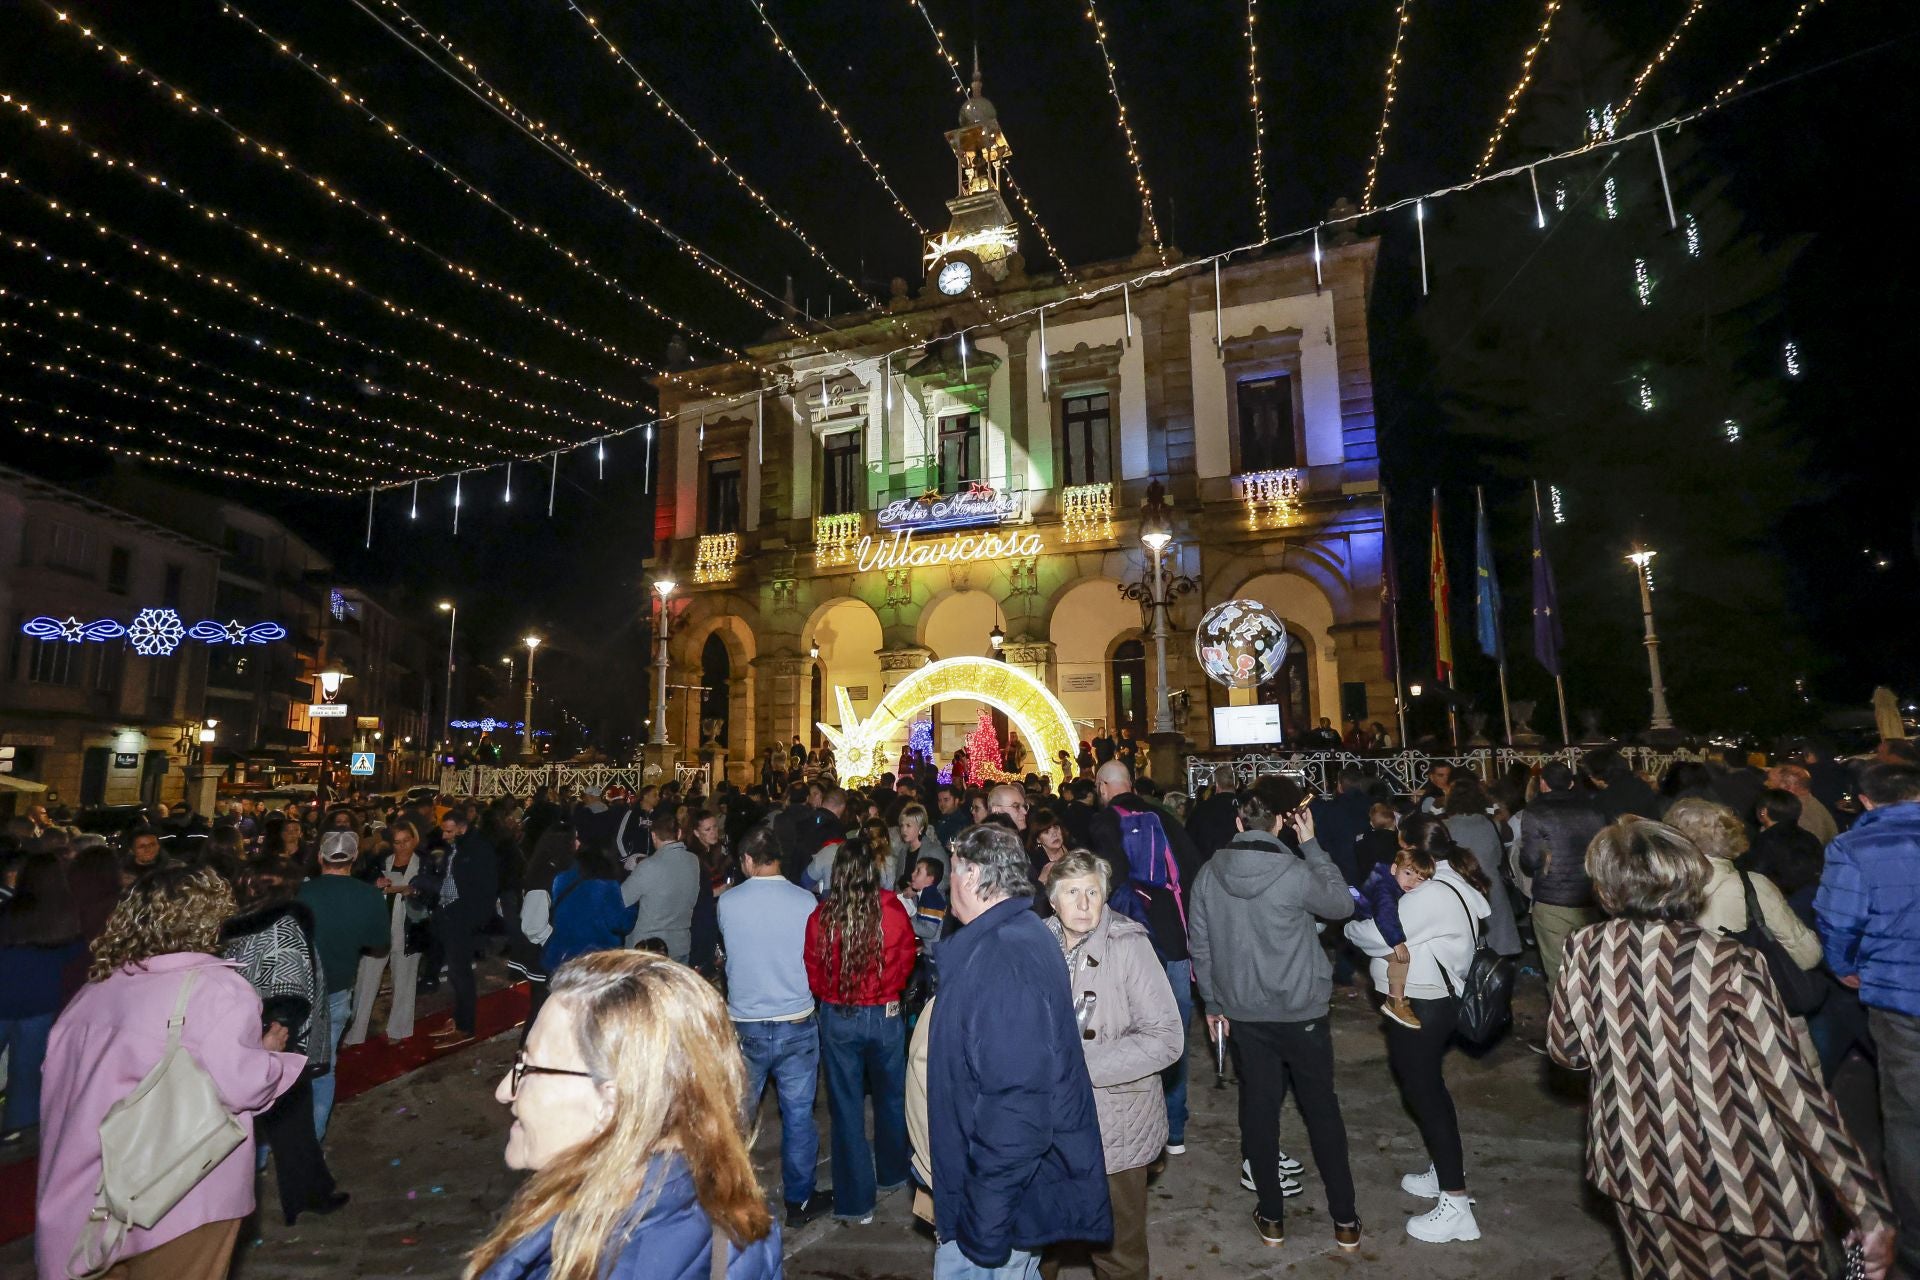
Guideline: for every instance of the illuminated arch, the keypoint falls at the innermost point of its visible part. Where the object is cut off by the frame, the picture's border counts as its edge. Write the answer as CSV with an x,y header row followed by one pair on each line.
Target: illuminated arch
x,y
1029,704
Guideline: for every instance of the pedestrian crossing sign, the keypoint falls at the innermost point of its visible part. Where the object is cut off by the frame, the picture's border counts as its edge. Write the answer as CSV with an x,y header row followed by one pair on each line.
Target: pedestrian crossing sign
x,y
362,764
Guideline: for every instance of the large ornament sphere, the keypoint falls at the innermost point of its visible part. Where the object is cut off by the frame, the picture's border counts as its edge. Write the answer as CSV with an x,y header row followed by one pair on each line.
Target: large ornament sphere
x,y
1240,643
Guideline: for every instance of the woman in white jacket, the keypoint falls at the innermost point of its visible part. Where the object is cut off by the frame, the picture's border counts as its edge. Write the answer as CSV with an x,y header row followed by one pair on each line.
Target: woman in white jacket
x,y
1442,920
398,868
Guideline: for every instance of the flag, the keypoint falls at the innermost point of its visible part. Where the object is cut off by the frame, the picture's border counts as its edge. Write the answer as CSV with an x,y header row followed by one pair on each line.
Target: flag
x,y
1486,586
1547,637
1389,601
1438,589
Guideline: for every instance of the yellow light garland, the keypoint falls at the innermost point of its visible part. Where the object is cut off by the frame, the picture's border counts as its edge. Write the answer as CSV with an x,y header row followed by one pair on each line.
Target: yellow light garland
x,y
1519,90
1259,129
1654,63
1767,51
1126,130
1086,512
833,538
159,459
715,557
1404,15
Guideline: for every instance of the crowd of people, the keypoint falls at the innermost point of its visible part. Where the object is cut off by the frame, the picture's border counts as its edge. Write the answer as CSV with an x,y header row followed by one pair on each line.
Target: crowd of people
x,y
995,987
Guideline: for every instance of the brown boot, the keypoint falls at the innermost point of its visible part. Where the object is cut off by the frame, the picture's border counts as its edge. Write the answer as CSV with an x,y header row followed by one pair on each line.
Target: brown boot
x,y
1401,1011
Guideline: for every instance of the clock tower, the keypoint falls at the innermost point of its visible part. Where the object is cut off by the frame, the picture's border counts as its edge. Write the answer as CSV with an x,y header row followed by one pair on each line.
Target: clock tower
x,y
981,240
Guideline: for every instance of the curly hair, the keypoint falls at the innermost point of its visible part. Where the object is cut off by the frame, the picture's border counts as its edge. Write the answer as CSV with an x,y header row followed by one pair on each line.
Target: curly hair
x,y
170,910
851,942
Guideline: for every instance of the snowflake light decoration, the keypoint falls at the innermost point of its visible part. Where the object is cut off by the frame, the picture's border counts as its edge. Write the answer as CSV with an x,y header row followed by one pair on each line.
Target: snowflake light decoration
x,y
156,632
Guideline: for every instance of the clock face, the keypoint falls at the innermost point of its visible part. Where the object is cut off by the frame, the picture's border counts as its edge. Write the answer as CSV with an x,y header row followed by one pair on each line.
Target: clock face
x,y
955,277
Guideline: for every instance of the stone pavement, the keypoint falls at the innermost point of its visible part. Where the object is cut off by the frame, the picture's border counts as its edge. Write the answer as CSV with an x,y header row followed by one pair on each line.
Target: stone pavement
x,y
422,1156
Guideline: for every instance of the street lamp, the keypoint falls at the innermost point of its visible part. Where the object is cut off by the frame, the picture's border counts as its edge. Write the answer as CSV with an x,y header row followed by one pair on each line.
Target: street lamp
x,y
1156,533
813,651
996,637
664,587
1641,558
207,727
507,662
526,720
453,621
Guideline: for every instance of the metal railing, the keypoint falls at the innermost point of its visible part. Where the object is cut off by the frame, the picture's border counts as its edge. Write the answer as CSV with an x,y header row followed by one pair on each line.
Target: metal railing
x,y
1405,772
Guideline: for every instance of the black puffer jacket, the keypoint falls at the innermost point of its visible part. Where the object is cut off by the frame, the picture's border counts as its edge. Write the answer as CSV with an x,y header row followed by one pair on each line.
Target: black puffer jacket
x,y
1553,847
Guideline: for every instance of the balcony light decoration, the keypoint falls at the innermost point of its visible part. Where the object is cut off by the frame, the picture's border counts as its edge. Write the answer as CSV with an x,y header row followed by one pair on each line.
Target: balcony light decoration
x,y
1272,497
1086,512
833,538
716,557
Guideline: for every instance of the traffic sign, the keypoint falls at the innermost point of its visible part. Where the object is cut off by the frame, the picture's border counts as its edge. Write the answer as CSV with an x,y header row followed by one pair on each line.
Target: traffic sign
x,y
362,764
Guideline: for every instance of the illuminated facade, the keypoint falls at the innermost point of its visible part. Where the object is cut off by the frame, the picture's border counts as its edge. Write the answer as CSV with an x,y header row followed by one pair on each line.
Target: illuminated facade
x,y
893,489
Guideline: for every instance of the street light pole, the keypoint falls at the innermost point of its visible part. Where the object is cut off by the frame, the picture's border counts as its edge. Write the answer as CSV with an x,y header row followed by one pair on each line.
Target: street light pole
x,y
664,587
526,719
1641,558
1162,705
452,611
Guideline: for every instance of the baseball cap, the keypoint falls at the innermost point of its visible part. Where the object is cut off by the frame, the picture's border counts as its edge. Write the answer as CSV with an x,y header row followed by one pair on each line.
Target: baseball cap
x,y
339,846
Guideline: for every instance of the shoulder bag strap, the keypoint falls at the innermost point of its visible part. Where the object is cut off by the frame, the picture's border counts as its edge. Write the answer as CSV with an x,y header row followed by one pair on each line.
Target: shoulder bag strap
x,y
1754,917
1473,925
717,1269
178,1020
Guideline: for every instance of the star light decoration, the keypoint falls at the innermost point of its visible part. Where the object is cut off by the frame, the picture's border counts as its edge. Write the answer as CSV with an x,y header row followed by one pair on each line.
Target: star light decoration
x,y
155,633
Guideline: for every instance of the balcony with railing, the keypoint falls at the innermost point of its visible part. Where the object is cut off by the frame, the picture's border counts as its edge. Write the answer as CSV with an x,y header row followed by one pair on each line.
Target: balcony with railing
x,y
1272,498
716,557
1086,512
834,538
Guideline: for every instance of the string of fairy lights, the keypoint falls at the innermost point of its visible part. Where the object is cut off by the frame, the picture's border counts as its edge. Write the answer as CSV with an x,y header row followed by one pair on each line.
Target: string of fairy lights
x,y
1660,56
1126,132
1013,183
1259,129
157,181
1766,53
339,92
1519,90
833,114
483,90
754,193
1402,16
260,149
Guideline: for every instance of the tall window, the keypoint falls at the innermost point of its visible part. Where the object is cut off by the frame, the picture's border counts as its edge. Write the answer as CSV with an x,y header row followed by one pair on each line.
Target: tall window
x,y
840,474
175,585
119,569
69,547
1266,424
54,662
959,450
106,667
723,495
1086,439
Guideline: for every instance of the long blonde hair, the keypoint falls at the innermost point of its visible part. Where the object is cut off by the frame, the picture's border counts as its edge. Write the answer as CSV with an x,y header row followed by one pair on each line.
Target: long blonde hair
x,y
167,910
660,1036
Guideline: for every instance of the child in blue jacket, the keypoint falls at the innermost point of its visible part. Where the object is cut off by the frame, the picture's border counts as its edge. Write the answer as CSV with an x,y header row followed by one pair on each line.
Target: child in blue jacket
x,y
1378,900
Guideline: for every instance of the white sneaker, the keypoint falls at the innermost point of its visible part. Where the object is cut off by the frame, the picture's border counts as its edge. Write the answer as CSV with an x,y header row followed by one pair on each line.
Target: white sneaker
x,y
1176,1148
1288,1186
1289,1165
1425,1185
1450,1219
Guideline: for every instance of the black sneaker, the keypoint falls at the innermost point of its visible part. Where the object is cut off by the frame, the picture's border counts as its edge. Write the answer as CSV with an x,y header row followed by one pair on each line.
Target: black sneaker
x,y
801,1212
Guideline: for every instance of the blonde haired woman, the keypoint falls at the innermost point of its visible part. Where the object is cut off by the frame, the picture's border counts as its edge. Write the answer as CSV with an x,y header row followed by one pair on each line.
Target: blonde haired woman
x,y
627,1110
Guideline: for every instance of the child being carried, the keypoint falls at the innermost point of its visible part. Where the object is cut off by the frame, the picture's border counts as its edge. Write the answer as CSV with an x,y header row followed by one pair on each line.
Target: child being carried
x,y
1378,900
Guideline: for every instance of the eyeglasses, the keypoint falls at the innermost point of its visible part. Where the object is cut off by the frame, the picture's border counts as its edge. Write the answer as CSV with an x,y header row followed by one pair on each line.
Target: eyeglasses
x,y
522,1069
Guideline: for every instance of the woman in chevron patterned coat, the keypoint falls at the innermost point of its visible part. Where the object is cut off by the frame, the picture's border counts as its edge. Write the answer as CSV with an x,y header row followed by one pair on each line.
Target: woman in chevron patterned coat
x,y
1706,1128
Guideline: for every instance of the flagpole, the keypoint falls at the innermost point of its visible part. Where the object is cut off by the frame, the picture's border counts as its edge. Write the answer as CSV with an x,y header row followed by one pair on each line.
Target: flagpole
x,y
1399,688
1443,626
1559,682
1506,710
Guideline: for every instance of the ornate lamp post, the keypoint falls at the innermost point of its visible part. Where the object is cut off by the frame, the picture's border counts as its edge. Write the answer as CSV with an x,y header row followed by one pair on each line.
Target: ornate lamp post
x,y
526,719
1641,558
664,587
452,611
1156,532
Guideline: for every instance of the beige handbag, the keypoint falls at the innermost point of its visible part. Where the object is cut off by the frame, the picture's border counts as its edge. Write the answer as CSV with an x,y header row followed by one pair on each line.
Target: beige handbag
x,y
156,1144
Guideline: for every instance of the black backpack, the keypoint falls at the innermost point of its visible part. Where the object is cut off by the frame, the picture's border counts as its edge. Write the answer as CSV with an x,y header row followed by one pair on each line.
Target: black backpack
x,y
1801,990
1485,996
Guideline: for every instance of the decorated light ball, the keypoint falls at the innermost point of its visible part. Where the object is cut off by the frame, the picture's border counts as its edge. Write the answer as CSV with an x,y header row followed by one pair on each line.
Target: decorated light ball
x,y
1240,643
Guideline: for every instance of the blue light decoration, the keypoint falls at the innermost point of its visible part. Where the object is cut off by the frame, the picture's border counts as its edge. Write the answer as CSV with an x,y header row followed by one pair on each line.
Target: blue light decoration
x,y
155,632
489,725
920,739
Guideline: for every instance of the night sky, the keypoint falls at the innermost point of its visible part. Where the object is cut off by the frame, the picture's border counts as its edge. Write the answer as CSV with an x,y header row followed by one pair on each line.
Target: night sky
x,y
1821,156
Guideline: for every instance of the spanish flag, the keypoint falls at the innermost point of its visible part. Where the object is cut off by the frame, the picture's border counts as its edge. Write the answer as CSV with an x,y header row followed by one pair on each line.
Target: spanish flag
x,y
1437,586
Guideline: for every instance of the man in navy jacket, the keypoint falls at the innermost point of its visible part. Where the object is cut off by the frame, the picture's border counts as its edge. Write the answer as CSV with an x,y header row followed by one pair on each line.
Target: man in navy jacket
x,y
1017,1160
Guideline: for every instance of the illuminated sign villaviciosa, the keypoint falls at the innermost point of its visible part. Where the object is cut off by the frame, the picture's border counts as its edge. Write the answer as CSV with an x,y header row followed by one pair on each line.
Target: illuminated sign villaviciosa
x,y
898,549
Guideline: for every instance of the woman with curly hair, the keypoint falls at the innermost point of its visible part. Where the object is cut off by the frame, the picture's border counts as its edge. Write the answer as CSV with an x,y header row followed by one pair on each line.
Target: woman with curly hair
x,y
163,935
859,953
627,1111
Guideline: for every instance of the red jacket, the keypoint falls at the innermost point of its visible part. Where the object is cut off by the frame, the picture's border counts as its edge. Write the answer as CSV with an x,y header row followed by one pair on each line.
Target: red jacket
x,y
896,957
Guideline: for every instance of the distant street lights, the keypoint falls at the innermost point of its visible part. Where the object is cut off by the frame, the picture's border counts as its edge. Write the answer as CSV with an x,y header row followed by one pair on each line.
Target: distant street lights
x,y
1641,558
664,588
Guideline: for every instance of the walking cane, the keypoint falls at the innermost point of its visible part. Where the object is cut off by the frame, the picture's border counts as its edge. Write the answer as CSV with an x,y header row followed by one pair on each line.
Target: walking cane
x,y
1220,1058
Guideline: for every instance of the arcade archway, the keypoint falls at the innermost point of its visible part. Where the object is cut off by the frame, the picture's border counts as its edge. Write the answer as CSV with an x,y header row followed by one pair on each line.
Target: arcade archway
x,y
860,746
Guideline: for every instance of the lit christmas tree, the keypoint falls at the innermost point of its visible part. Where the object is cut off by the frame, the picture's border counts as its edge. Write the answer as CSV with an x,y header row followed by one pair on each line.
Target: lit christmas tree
x,y
983,749
920,740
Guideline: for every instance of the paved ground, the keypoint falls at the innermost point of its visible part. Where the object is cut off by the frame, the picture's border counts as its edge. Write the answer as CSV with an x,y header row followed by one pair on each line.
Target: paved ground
x,y
422,1158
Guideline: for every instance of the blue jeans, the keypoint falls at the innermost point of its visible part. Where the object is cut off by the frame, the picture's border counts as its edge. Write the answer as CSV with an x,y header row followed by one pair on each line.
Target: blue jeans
x,y
790,1053
26,1041
951,1264
339,1013
1174,1078
866,1053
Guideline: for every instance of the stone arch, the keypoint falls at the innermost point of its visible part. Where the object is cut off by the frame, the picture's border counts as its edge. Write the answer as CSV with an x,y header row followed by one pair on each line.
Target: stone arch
x,y
736,634
954,623
850,636
862,748
1088,619
1308,610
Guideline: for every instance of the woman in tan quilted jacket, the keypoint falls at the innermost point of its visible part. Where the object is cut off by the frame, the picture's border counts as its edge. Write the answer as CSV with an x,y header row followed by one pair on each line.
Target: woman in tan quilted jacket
x,y
1130,1029
1709,1132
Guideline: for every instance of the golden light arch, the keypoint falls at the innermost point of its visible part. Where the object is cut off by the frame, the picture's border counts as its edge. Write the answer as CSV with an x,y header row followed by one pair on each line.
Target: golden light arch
x,y
1029,704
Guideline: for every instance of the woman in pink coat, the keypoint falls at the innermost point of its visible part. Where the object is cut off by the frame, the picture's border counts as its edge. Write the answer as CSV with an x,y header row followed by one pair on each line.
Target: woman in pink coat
x,y
165,928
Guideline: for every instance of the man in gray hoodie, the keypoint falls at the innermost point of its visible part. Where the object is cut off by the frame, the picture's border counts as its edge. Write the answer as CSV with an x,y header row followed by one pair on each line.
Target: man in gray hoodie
x,y
1266,981
664,886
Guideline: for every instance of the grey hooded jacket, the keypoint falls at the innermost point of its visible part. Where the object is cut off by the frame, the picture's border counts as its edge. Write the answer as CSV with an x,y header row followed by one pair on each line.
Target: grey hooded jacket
x,y
1253,932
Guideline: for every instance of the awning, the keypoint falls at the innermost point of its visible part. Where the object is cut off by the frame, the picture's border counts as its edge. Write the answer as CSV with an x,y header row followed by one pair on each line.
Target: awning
x,y
10,783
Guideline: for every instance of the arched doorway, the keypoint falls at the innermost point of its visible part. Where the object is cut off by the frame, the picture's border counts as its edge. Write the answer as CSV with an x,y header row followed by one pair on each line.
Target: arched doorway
x,y
959,624
1088,620
716,677
846,632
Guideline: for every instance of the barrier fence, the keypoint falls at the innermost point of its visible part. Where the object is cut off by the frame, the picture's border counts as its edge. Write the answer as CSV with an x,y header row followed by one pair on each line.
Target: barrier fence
x,y
1405,772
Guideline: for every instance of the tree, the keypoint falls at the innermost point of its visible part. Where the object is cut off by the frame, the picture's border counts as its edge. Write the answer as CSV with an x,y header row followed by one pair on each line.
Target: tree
x,y
1634,368
983,749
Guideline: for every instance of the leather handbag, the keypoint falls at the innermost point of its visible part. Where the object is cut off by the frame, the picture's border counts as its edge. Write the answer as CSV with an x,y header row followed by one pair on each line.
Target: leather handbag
x,y
156,1144
1485,997
1801,990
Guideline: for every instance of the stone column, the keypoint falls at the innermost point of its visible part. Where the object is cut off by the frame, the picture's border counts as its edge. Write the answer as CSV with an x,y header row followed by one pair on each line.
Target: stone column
x,y
781,697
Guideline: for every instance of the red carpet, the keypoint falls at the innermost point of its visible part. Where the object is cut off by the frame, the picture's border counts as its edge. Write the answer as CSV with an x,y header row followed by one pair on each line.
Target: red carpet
x,y
360,1068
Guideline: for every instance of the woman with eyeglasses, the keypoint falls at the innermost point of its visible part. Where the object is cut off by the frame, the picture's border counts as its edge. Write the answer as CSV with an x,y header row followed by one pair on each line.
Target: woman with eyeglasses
x,y
626,1108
